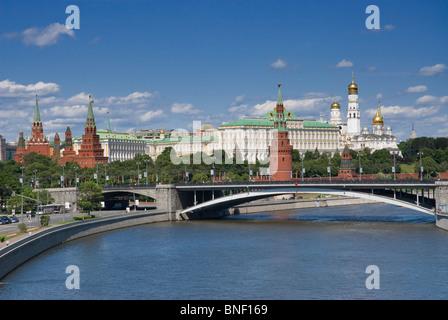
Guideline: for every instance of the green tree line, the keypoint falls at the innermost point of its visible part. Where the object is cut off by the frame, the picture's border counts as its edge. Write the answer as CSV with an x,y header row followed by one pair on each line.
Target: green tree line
x,y
40,172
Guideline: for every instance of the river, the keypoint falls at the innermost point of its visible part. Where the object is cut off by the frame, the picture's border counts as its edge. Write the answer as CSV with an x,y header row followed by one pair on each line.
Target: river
x,y
319,253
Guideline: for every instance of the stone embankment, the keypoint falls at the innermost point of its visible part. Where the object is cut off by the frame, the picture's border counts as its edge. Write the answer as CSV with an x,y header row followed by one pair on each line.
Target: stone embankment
x,y
30,245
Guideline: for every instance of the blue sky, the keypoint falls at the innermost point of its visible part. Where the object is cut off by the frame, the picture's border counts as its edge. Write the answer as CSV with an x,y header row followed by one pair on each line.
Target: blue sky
x,y
167,63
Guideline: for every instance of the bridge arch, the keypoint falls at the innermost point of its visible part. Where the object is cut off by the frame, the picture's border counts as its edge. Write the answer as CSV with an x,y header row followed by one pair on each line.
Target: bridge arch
x,y
226,202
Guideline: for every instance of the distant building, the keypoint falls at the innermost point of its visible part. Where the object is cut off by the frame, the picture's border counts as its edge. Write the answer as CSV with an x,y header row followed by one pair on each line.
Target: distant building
x,y
378,139
3,154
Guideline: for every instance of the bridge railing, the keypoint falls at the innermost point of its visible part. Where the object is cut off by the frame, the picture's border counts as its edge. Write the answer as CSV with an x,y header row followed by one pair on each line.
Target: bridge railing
x,y
394,183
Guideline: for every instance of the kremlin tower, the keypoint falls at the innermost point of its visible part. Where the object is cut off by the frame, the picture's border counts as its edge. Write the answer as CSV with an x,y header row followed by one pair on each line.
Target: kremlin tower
x,y
91,151
37,142
68,155
280,150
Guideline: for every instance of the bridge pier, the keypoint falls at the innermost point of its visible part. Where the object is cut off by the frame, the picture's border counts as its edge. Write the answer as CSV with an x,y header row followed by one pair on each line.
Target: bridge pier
x,y
441,198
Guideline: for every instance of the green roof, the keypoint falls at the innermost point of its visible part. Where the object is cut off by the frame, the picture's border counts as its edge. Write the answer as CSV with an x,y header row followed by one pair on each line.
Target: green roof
x,y
184,139
269,122
249,122
316,124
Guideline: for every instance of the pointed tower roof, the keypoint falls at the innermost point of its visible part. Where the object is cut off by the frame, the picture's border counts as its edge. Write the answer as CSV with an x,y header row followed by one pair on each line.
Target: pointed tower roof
x,y
279,115
90,121
36,112
279,98
108,128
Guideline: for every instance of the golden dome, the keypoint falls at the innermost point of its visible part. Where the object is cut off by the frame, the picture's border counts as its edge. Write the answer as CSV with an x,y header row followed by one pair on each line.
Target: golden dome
x,y
335,105
378,119
353,87
162,131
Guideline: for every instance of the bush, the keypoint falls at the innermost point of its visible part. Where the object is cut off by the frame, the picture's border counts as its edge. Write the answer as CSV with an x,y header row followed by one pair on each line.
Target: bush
x,y
22,227
2,238
44,220
84,217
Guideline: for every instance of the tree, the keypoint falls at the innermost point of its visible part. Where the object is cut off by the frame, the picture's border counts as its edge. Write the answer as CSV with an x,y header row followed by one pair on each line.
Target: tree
x,y
90,195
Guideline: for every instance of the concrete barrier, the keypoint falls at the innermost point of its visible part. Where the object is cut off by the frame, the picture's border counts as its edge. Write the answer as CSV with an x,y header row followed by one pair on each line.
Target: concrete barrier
x,y
21,251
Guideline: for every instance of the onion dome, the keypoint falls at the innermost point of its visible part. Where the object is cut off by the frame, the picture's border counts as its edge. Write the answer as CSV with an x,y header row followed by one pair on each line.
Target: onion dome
x,y
378,119
335,105
353,87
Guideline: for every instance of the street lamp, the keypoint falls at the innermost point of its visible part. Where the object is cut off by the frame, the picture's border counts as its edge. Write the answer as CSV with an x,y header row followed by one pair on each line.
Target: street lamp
x,y
360,167
394,168
21,209
37,190
105,174
421,167
302,156
138,173
63,186
146,161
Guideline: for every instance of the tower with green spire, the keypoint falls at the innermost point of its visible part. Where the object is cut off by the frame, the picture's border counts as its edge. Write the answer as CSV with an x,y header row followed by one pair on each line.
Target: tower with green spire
x,y
279,115
108,128
91,151
38,142
280,150
90,121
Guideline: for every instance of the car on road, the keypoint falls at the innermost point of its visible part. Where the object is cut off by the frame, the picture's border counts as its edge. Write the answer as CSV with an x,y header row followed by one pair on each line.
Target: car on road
x,y
14,219
5,220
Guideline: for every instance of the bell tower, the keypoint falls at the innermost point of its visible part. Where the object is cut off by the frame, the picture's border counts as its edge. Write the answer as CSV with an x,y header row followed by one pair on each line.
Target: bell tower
x,y
353,114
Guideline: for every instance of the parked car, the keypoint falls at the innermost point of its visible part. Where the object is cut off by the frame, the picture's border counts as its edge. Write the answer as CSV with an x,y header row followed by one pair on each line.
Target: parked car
x,y
14,219
5,220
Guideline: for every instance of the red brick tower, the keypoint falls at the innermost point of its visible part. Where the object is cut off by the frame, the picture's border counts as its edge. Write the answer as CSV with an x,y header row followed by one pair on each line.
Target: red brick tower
x,y
56,147
346,170
90,152
37,142
21,149
68,155
280,150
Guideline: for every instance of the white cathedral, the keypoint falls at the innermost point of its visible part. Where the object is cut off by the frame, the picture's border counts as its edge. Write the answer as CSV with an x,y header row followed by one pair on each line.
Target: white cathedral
x,y
351,133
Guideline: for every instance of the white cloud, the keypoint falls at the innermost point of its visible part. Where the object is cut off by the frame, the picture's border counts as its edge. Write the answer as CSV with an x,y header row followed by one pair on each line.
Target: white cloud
x,y
307,105
344,64
13,90
371,69
150,115
389,27
135,97
279,64
404,112
428,99
46,36
417,89
435,70
186,108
